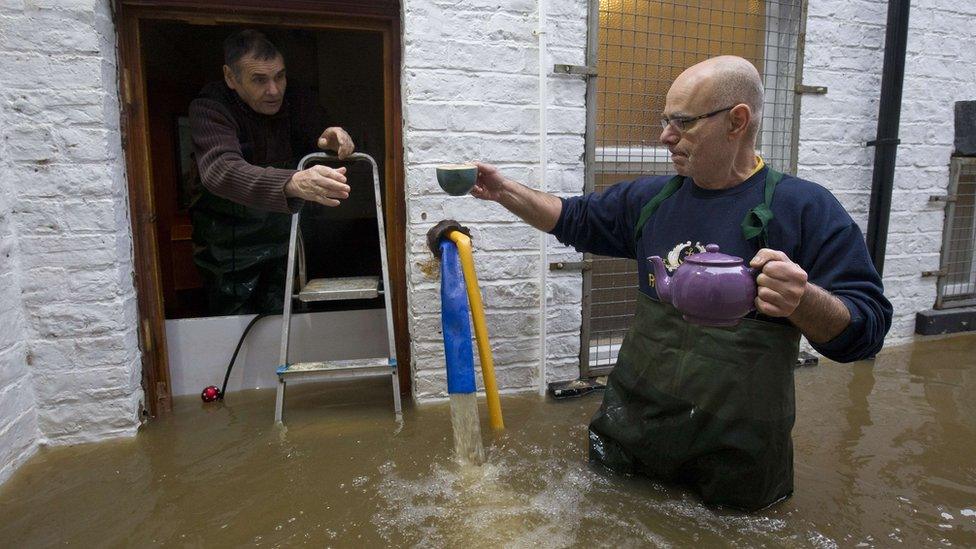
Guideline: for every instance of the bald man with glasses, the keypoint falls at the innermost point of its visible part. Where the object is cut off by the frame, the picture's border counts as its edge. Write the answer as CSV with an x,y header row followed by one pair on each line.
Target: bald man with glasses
x,y
713,408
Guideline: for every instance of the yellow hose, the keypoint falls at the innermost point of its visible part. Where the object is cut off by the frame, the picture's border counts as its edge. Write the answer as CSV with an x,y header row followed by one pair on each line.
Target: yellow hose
x,y
480,329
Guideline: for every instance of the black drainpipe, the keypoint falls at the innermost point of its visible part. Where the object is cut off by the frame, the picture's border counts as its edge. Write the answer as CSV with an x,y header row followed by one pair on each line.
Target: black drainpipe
x,y
886,142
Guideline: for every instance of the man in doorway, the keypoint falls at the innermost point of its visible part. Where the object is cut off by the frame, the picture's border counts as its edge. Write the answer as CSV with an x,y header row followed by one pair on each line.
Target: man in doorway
x,y
713,408
249,132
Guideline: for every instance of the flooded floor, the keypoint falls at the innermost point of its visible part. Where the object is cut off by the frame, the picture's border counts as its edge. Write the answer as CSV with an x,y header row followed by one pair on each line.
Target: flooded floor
x,y
885,455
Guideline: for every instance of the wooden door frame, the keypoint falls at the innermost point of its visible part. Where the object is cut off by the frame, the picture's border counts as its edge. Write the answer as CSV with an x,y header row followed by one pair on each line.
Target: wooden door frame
x,y
304,14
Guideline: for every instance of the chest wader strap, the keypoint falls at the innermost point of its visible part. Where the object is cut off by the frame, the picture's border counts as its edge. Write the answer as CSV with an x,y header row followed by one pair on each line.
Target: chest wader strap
x,y
755,223
648,210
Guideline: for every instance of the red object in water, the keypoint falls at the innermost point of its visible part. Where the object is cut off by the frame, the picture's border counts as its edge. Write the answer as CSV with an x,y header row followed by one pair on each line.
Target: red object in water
x,y
210,394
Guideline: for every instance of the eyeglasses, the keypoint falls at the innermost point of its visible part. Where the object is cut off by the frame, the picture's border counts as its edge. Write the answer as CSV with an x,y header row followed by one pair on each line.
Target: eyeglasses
x,y
685,123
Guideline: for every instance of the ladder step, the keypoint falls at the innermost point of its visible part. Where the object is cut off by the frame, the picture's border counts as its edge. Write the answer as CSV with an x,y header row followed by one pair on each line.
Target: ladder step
x,y
362,367
330,289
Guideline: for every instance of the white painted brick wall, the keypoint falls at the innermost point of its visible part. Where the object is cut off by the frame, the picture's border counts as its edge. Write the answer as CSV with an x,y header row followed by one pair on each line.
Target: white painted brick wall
x,y
71,300
471,92
69,362
845,52
479,102
18,414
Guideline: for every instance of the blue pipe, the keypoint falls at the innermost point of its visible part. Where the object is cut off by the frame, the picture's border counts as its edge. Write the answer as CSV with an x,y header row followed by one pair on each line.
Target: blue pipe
x,y
456,322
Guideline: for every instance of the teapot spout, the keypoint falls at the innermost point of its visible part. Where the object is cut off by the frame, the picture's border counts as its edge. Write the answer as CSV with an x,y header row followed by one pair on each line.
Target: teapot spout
x,y
660,279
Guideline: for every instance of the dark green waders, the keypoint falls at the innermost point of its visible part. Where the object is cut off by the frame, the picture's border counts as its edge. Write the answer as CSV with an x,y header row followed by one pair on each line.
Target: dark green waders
x,y
241,253
712,408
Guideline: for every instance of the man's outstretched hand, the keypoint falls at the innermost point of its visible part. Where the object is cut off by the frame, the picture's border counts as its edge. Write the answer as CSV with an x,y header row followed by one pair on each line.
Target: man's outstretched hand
x,y
539,209
336,139
490,183
321,184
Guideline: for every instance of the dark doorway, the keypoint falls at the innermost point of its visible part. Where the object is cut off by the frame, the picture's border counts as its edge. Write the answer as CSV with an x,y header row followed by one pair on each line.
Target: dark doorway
x,y
347,51
342,68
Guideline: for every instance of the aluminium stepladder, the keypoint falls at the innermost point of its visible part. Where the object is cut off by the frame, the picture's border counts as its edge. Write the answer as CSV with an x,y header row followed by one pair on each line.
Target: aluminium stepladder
x,y
326,289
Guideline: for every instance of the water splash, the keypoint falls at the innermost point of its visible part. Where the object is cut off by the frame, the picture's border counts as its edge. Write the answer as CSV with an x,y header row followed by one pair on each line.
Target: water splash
x,y
467,429
463,505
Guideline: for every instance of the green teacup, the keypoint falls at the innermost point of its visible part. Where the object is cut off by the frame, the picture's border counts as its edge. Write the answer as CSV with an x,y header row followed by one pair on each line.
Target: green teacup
x,y
457,179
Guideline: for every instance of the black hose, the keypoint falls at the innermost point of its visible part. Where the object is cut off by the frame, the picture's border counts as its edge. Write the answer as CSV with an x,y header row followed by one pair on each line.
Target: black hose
x,y
240,342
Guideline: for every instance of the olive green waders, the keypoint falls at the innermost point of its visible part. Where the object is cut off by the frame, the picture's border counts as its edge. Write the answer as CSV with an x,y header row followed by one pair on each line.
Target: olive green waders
x,y
712,408
241,253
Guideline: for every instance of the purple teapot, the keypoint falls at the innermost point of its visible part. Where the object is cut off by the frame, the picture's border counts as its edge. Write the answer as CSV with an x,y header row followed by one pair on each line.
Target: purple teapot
x,y
709,288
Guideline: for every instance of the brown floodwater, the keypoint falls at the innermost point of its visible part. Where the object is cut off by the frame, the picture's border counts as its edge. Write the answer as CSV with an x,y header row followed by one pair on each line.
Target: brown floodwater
x,y
885,455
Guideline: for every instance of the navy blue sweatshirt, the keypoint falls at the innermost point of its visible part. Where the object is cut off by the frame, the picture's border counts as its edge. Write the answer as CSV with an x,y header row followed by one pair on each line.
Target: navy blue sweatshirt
x,y
809,226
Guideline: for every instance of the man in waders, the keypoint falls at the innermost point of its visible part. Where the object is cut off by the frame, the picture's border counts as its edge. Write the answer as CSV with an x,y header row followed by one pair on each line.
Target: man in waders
x,y
713,407
249,132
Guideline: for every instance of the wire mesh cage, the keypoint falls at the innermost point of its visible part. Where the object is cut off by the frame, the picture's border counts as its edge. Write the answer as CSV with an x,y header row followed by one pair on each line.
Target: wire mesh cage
x,y
642,47
957,280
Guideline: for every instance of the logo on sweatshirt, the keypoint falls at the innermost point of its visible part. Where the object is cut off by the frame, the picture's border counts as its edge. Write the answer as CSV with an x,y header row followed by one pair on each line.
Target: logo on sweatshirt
x,y
680,251
676,257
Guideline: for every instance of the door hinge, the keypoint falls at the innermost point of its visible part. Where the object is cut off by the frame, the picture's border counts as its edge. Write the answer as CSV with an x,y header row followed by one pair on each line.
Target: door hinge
x,y
812,90
940,272
584,265
163,402
126,88
580,70
942,198
147,342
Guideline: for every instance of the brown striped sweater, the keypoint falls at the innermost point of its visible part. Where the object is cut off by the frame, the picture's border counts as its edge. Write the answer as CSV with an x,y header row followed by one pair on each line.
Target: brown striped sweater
x,y
248,157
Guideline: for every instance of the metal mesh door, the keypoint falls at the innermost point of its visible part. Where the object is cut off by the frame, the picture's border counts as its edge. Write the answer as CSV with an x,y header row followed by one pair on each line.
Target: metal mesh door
x,y
641,47
957,276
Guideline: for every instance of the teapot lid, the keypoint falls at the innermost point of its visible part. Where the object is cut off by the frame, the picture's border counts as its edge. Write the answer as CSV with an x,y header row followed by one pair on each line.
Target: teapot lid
x,y
711,256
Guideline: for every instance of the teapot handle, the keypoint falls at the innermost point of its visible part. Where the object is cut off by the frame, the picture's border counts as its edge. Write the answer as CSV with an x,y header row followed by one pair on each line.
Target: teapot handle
x,y
753,273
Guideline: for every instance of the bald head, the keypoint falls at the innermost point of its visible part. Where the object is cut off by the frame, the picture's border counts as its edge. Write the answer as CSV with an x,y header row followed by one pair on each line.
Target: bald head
x,y
712,114
726,81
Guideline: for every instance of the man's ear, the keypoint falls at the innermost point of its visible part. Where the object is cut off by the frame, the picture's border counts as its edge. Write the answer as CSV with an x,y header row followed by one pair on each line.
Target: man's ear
x,y
739,118
229,78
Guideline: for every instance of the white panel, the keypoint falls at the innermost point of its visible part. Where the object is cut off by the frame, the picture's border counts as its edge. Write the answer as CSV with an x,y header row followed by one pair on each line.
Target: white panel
x,y
200,348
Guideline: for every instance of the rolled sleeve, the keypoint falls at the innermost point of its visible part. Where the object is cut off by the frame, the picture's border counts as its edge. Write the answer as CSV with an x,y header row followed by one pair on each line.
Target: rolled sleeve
x,y
223,169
